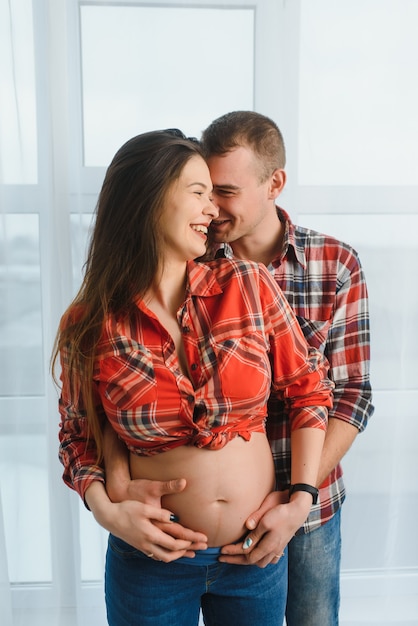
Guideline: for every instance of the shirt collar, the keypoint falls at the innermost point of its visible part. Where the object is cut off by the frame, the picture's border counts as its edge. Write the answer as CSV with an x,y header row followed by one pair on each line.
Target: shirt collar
x,y
292,246
202,280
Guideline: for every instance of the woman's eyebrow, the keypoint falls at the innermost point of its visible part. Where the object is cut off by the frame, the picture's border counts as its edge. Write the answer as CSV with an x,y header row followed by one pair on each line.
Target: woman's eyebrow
x,y
198,183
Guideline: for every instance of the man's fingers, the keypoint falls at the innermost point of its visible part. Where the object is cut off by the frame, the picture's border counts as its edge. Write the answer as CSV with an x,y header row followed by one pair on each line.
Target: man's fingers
x,y
146,490
272,500
173,486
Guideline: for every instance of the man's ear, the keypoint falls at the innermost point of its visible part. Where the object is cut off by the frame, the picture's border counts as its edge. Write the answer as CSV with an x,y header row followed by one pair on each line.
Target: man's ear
x,y
277,183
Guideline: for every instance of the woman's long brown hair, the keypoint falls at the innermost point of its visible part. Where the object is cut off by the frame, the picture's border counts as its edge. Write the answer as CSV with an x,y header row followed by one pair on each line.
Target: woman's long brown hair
x,y
124,254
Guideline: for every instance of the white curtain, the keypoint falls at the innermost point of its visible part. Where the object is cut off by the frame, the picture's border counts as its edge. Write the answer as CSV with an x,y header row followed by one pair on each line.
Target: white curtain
x,y
5,597
348,97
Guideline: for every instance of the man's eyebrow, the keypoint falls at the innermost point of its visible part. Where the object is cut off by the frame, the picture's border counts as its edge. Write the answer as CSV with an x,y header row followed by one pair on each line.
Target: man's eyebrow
x,y
227,187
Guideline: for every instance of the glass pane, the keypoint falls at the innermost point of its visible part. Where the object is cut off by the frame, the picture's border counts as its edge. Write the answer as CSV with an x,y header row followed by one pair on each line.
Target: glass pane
x,y
81,224
386,244
21,365
93,544
380,470
152,67
25,501
380,473
93,538
18,146
358,93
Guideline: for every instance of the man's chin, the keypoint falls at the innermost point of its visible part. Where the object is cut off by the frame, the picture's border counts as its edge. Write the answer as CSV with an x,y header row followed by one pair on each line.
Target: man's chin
x,y
218,237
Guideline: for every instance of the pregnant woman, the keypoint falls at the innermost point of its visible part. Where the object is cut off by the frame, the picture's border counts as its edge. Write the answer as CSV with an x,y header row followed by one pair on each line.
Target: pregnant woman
x,y
179,358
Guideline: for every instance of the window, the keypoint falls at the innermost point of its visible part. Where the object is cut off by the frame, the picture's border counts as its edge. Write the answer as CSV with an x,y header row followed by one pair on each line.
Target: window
x,y
77,80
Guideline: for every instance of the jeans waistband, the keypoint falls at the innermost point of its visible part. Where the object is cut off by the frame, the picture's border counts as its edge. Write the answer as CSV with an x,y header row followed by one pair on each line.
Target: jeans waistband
x,y
202,557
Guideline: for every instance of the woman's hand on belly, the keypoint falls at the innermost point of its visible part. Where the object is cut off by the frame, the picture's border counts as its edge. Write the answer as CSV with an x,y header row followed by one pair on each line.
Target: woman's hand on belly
x,y
142,526
271,528
133,494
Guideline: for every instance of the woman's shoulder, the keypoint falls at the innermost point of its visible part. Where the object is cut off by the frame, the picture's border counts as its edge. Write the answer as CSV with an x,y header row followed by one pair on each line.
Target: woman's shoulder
x,y
73,315
221,274
244,271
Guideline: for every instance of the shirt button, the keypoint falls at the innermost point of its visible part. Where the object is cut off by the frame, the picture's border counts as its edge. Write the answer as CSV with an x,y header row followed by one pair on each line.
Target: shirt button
x,y
186,329
190,398
193,367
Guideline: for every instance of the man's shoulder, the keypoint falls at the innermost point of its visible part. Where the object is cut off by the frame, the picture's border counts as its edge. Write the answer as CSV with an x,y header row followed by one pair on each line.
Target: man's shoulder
x,y
316,244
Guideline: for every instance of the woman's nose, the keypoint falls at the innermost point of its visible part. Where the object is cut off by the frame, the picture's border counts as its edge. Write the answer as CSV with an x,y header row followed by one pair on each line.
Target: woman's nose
x,y
211,208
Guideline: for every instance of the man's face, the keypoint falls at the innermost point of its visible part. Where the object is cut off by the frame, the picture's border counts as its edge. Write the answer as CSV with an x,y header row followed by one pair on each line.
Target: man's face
x,y
242,200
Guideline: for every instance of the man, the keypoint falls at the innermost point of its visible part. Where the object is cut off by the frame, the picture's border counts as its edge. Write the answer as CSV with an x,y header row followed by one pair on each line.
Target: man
x,y
323,280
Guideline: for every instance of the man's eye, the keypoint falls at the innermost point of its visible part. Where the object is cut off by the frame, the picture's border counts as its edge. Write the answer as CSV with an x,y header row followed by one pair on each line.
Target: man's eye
x,y
225,193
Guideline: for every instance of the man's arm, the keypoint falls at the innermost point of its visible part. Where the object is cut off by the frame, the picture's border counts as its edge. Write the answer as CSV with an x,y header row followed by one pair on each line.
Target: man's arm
x,y
348,352
338,440
120,486
116,460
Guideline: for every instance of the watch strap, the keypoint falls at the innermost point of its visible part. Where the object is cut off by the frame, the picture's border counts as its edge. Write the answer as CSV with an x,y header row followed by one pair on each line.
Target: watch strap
x,y
304,487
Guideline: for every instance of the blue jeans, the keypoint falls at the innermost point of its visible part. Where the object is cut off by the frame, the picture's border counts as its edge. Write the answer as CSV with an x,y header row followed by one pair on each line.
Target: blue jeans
x,y
143,592
314,576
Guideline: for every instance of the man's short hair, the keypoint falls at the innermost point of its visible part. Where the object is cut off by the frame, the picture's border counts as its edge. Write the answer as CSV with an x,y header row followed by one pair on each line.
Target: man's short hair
x,y
247,129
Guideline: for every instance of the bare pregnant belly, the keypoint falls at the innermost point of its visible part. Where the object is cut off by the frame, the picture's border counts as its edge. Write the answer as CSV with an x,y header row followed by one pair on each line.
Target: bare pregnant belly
x,y
223,486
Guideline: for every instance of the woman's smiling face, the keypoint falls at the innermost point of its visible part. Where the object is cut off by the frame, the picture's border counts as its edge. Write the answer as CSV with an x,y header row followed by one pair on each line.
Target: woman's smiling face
x,y
188,212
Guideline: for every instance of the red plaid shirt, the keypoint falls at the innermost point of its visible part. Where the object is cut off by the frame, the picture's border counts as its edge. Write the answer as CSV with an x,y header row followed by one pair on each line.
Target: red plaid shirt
x,y
241,340
324,283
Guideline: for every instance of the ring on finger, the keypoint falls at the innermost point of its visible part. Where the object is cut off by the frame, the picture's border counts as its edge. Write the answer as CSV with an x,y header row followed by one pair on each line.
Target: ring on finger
x,y
150,555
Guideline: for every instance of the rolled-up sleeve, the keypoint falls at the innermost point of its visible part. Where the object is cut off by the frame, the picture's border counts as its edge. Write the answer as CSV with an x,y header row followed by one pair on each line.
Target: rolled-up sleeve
x,y
77,450
348,347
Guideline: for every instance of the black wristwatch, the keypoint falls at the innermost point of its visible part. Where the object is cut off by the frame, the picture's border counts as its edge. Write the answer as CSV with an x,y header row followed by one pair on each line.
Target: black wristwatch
x,y
303,487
